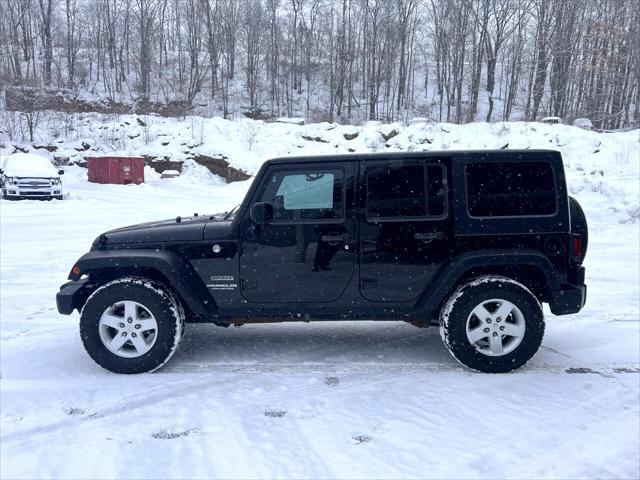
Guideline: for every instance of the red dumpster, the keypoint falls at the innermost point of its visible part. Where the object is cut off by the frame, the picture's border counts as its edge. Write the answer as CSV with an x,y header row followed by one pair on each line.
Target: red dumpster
x,y
120,170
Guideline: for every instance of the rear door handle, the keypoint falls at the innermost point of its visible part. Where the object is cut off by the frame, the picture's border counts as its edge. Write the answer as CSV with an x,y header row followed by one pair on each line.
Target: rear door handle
x,y
368,282
428,237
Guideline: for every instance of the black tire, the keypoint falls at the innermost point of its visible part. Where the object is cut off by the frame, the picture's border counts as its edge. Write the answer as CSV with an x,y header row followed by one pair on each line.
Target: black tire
x,y
457,310
579,224
157,299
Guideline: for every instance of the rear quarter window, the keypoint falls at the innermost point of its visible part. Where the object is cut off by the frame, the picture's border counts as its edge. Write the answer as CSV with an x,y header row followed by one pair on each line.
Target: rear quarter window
x,y
510,188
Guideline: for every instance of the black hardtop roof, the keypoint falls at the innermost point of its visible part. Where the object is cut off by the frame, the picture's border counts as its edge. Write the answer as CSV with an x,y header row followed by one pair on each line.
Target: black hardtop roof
x,y
404,154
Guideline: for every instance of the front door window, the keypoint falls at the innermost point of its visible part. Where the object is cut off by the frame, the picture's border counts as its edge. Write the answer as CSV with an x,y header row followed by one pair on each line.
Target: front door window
x,y
305,196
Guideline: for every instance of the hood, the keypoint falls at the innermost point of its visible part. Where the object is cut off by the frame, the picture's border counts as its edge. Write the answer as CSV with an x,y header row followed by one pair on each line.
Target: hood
x,y
29,165
176,230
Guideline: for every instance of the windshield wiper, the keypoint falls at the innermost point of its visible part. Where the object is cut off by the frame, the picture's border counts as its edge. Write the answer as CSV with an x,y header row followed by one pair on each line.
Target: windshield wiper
x,y
230,213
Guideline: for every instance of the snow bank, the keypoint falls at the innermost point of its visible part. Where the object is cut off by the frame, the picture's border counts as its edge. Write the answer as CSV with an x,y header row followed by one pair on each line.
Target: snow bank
x,y
603,169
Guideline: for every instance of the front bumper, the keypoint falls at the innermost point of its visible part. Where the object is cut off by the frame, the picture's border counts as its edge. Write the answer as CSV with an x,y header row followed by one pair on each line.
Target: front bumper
x,y
73,295
12,192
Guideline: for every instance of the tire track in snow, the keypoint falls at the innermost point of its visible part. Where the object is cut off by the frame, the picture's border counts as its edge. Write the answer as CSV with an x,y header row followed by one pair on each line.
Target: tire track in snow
x,y
182,388
385,368
124,404
167,392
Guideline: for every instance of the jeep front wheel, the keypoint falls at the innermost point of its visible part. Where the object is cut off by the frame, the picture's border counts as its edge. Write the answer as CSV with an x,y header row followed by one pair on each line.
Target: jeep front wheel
x,y
131,325
492,324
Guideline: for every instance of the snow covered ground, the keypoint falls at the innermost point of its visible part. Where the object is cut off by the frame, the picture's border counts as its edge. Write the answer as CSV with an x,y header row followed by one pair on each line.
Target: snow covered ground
x,y
321,400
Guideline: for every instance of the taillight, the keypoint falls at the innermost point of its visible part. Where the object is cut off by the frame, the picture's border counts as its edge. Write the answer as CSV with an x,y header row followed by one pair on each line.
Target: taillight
x,y
576,246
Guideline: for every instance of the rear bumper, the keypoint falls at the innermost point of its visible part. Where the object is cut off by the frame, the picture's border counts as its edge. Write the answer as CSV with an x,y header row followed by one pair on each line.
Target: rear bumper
x,y
73,295
569,299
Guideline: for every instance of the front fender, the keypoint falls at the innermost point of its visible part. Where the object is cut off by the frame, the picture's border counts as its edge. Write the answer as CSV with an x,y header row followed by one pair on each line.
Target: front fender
x,y
450,274
174,268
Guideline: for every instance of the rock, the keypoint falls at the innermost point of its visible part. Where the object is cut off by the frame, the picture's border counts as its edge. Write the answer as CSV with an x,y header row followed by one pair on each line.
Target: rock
x,y
389,135
83,147
61,160
583,123
314,139
418,120
257,114
221,167
351,135
161,165
170,174
294,121
552,120
48,148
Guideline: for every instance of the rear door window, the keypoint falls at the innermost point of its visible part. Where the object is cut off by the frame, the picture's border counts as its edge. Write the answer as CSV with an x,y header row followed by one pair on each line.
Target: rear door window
x,y
508,189
396,190
405,191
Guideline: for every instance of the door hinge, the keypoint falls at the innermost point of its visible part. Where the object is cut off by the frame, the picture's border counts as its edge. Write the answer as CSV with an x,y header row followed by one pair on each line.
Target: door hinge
x,y
248,284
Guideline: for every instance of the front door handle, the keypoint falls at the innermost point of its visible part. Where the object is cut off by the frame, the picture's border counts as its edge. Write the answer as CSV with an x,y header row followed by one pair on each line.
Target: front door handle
x,y
428,237
334,239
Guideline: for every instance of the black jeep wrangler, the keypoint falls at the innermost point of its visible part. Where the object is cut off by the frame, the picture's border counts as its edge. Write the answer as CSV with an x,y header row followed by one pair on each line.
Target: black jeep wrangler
x,y
474,241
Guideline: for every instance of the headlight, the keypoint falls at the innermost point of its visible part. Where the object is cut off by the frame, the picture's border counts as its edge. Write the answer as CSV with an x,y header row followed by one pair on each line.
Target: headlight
x,y
56,181
12,180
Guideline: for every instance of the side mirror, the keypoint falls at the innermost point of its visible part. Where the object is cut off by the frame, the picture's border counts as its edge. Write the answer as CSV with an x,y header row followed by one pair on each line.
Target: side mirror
x,y
60,172
261,213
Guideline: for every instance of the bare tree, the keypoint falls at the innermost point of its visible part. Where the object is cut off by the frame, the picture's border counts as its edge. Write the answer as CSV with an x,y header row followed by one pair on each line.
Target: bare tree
x,y
145,13
349,60
253,26
46,19
501,25
211,10
544,14
406,18
73,39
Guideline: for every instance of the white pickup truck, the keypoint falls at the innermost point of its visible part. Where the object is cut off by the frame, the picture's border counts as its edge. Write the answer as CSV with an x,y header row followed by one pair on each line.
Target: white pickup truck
x,y
27,175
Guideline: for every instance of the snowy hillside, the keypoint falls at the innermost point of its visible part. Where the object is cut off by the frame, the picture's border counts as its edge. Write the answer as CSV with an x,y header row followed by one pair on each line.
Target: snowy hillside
x,y
323,400
602,167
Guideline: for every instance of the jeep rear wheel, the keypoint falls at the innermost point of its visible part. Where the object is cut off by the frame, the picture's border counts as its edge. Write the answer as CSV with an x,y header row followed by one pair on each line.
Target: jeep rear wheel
x,y
492,324
131,325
